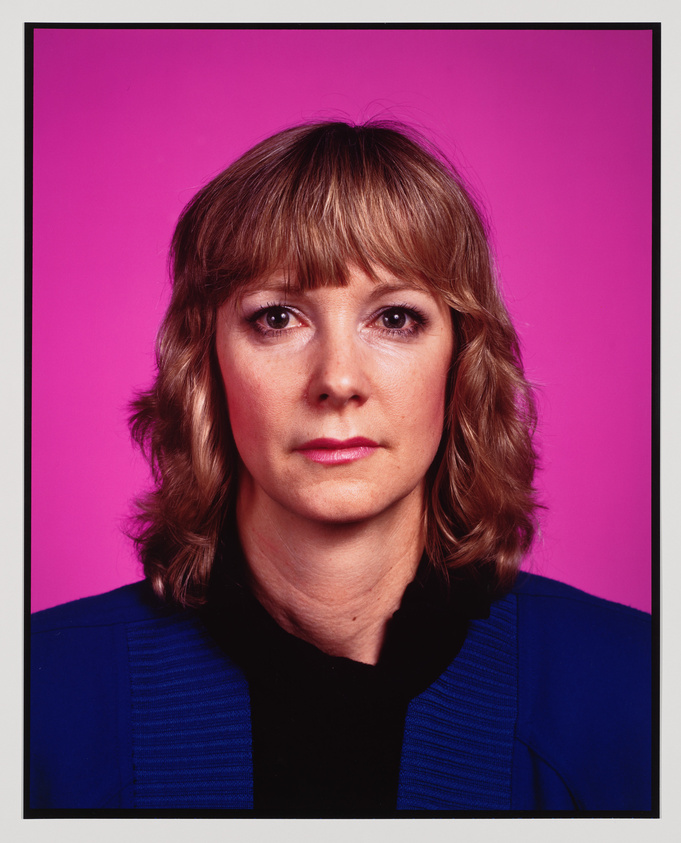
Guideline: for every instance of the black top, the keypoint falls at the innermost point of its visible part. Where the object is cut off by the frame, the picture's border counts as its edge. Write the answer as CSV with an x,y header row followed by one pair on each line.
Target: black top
x,y
327,731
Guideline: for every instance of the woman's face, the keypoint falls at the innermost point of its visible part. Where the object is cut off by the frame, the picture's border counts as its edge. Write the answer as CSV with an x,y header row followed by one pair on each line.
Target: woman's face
x,y
336,395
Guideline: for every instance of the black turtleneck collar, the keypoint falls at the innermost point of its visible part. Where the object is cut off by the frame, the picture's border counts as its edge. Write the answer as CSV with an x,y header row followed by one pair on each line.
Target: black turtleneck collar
x,y
327,731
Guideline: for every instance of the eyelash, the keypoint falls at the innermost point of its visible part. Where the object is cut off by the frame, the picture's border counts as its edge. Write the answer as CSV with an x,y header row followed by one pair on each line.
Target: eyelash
x,y
253,319
418,320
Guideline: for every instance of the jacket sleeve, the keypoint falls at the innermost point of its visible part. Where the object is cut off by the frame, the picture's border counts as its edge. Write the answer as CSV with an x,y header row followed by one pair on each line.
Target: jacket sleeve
x,y
79,736
584,731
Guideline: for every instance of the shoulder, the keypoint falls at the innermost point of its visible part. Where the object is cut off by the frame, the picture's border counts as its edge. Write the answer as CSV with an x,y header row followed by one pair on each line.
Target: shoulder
x,y
77,644
557,616
86,643
80,745
135,602
571,602
585,691
536,588
109,676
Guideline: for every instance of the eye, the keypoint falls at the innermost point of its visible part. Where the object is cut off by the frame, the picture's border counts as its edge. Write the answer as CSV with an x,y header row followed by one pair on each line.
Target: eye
x,y
400,322
276,318
395,318
273,320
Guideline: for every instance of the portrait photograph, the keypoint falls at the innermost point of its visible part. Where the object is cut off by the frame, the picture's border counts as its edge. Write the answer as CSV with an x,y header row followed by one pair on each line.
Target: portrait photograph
x,y
343,421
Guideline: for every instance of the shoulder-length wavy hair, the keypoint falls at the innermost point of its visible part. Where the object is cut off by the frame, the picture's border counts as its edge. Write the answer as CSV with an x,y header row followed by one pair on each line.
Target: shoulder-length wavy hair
x,y
314,200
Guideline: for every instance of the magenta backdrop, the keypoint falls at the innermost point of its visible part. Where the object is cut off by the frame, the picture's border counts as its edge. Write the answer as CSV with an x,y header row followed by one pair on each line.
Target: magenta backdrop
x,y
551,128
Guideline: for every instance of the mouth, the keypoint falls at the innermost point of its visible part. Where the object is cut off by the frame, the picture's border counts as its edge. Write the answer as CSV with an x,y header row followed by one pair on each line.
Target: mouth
x,y
337,451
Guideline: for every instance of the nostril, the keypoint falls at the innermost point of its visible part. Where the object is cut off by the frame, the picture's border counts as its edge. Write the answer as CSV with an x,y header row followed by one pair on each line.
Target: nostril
x,y
324,396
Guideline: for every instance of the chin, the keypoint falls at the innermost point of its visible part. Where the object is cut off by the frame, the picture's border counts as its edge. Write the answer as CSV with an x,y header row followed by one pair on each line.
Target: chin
x,y
347,503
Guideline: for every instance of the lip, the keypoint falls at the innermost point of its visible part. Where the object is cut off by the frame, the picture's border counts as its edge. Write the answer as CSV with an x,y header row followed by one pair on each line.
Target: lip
x,y
337,451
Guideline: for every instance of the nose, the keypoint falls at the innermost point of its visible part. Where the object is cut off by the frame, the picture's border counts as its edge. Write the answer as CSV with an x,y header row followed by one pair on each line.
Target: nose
x,y
339,374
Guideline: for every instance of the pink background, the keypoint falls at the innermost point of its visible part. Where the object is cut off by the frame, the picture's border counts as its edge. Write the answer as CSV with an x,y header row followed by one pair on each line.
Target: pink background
x,y
552,129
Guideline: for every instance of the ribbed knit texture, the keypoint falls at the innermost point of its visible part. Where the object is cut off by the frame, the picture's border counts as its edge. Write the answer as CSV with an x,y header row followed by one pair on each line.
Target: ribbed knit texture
x,y
582,739
458,740
191,729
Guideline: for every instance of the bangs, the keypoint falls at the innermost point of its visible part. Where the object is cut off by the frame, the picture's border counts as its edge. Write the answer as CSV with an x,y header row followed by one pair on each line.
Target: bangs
x,y
313,203
324,198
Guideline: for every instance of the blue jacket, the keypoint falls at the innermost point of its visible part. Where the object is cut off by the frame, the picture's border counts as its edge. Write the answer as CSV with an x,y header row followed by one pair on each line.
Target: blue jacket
x,y
545,708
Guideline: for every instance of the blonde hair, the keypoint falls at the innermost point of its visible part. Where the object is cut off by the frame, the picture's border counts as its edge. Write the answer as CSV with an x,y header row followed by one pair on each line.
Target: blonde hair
x,y
314,200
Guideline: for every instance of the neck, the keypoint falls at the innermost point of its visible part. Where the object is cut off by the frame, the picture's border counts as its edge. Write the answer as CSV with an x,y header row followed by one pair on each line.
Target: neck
x,y
333,585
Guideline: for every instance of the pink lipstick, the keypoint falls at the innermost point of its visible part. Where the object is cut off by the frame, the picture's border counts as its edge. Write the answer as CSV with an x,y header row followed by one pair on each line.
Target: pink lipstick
x,y
337,451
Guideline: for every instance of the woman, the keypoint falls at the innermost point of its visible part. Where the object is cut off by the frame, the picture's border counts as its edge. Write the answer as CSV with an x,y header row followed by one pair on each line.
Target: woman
x,y
341,438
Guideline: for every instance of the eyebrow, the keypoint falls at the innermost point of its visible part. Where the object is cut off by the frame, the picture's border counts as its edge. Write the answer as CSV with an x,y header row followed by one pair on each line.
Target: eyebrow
x,y
267,286
382,288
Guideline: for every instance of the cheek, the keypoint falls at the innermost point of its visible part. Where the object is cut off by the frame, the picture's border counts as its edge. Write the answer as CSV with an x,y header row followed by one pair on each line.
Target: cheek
x,y
428,410
255,403
420,398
